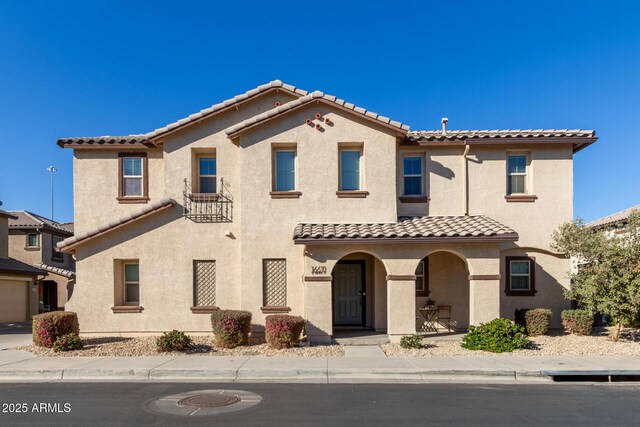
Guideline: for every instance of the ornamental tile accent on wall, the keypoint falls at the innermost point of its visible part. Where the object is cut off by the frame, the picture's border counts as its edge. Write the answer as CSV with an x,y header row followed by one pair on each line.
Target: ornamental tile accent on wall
x,y
274,282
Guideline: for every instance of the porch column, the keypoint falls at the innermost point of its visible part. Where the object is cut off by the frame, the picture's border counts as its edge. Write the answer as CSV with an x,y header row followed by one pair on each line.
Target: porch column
x,y
401,306
484,298
318,309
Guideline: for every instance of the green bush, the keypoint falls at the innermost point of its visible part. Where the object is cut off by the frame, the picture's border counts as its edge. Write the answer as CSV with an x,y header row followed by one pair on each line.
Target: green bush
x,y
174,341
231,327
578,322
538,321
48,327
283,331
411,341
497,336
67,342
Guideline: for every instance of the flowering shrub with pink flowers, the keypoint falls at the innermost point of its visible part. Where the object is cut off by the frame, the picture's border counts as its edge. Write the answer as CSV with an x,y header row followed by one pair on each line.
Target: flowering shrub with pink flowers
x,y
283,331
231,327
48,327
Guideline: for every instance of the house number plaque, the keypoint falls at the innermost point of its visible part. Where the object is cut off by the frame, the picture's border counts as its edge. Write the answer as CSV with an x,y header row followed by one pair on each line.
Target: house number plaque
x,y
320,270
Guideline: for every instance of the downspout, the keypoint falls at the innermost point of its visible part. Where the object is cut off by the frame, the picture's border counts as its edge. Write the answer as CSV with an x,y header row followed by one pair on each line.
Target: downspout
x,y
465,180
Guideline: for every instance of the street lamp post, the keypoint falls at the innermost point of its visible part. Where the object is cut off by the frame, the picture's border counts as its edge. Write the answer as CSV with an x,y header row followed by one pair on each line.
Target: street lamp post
x,y
52,169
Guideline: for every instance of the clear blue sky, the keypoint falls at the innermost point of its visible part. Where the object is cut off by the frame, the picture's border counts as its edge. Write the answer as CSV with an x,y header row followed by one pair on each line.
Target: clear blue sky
x,y
112,68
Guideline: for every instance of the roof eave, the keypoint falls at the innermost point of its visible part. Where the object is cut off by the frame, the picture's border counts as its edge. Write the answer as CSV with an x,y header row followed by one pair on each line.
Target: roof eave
x,y
510,237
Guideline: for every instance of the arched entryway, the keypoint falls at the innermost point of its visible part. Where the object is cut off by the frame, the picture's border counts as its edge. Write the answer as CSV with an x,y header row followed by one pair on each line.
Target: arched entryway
x,y
442,281
358,293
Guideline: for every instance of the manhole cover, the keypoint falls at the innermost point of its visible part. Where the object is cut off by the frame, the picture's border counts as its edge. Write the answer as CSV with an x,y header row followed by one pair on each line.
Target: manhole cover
x,y
204,402
209,400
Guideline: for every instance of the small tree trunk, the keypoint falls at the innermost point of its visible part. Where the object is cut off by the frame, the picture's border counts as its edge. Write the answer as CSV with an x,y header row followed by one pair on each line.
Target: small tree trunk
x,y
615,333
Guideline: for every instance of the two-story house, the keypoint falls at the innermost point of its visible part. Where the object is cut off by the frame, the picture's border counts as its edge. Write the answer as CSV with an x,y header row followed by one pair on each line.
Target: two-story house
x,y
33,240
19,281
286,201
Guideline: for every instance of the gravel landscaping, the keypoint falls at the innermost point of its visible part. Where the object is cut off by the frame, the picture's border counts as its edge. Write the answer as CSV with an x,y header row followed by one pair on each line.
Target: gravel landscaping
x,y
203,346
555,344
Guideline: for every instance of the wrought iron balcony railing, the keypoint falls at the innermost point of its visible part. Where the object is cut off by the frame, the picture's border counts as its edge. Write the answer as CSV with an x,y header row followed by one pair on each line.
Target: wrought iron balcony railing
x,y
208,207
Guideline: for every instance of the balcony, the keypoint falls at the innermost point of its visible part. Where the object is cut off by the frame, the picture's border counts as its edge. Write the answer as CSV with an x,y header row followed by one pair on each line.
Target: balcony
x,y
208,207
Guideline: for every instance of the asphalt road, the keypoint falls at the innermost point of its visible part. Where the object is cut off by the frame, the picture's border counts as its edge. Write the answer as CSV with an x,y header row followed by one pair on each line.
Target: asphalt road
x,y
334,404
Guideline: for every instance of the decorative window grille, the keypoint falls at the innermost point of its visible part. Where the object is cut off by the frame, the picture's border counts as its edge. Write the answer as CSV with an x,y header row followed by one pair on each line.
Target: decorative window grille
x,y
274,282
204,283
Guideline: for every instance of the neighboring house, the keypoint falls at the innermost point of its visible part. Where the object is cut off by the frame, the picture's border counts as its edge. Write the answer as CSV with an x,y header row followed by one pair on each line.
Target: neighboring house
x,y
18,281
614,223
286,201
32,240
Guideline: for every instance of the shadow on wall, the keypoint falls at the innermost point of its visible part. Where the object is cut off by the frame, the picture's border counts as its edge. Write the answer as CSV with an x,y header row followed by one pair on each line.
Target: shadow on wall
x,y
439,169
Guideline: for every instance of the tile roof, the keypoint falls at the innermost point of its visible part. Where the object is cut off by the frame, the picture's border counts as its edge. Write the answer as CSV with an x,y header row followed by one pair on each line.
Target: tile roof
x,y
451,135
618,217
142,140
151,208
316,95
56,270
28,220
6,214
426,228
13,266
67,226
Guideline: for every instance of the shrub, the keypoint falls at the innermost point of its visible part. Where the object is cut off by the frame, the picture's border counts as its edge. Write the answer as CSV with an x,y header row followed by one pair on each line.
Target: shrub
x,y
174,341
67,342
538,320
411,341
577,322
497,336
48,327
283,331
231,327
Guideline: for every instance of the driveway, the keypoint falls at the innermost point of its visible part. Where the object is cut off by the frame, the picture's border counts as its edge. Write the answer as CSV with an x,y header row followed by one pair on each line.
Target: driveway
x,y
14,334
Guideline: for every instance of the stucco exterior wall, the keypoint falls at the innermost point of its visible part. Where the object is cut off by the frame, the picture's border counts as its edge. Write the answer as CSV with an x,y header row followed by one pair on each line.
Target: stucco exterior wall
x,y
4,237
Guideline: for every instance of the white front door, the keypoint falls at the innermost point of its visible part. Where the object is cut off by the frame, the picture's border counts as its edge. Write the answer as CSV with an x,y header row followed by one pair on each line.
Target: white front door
x,y
348,294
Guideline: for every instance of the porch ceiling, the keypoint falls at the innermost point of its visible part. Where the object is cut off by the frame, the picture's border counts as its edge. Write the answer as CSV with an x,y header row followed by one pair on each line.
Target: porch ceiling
x,y
467,228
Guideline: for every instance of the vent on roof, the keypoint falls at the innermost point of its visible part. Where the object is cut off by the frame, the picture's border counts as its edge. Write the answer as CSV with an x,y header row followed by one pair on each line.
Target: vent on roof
x,y
444,125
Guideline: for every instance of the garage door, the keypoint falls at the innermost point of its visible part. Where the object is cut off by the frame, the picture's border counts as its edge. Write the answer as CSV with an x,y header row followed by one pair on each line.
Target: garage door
x,y
14,301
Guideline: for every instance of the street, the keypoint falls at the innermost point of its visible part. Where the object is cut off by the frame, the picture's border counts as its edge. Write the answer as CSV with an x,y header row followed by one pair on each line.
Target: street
x,y
332,404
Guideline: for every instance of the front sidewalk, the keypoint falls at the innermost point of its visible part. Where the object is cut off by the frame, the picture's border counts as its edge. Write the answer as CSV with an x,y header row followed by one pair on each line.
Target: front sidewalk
x,y
17,365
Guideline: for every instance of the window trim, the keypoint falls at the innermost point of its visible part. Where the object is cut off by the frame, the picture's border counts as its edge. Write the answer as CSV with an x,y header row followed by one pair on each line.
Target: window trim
x,y
532,277
525,174
425,278
125,282
274,180
200,175
144,198
37,245
359,190
55,251
421,176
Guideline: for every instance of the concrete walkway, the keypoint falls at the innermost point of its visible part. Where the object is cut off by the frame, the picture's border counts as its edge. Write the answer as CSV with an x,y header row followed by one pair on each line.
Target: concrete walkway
x,y
23,366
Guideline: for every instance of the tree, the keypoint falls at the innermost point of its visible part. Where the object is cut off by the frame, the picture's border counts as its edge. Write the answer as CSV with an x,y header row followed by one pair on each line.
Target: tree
x,y
608,278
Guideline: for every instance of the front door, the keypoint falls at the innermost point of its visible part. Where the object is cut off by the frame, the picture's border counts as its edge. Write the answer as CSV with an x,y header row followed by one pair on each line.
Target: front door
x,y
348,294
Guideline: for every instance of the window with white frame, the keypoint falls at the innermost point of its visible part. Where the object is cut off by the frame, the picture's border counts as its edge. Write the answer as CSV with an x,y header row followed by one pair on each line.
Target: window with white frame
x,y
412,173
520,277
350,169
132,178
517,174
285,170
131,283
207,171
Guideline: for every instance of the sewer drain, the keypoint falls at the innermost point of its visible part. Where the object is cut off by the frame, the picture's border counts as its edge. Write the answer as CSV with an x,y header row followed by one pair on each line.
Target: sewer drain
x,y
209,400
204,402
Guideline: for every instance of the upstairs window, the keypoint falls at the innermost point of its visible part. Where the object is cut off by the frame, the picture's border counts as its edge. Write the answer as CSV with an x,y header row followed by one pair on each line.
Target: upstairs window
x,y
56,255
350,170
285,167
207,175
132,187
412,172
32,240
517,174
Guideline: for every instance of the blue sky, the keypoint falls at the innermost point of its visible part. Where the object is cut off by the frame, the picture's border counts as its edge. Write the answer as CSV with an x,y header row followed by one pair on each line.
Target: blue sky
x,y
111,68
